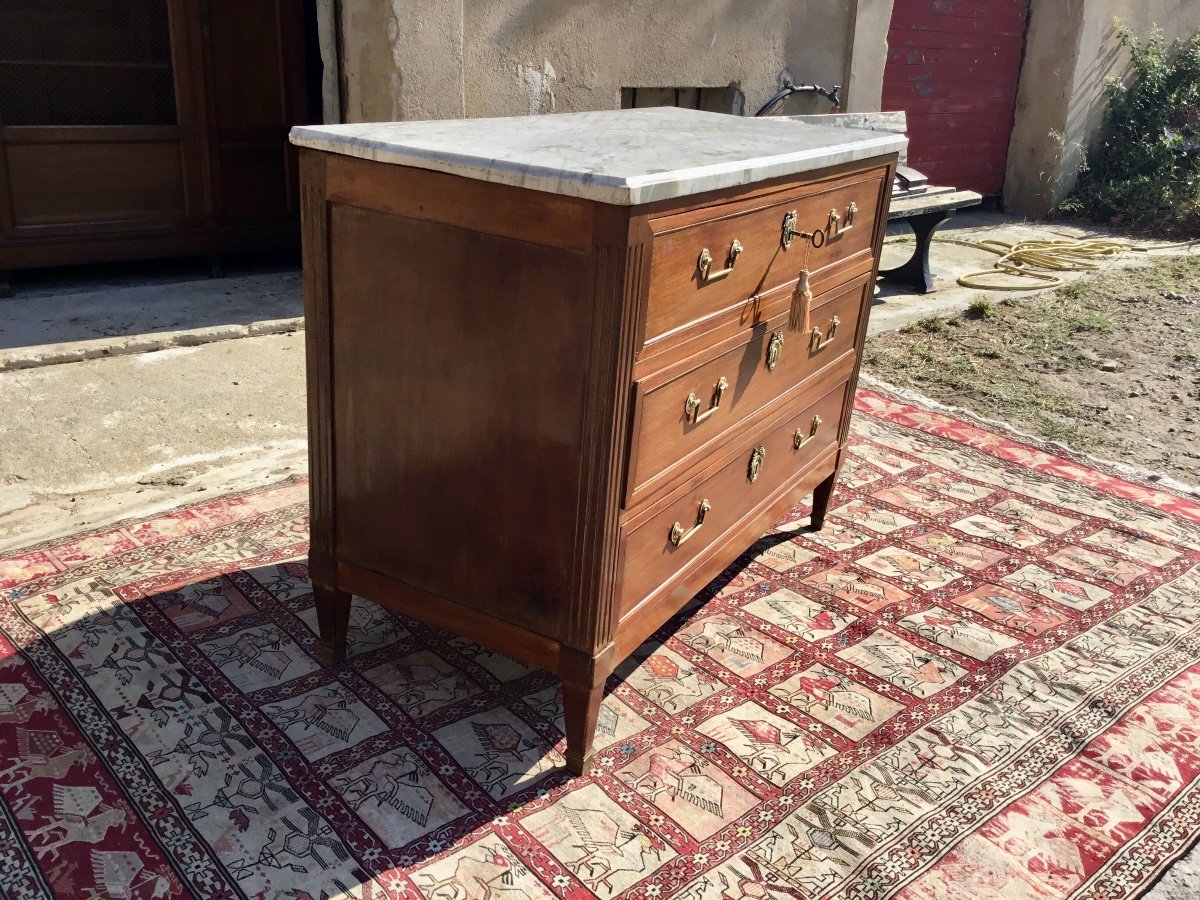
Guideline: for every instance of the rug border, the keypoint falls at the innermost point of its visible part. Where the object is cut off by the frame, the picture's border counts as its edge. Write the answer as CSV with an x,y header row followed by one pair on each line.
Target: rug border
x,y
1123,471
117,524
1166,868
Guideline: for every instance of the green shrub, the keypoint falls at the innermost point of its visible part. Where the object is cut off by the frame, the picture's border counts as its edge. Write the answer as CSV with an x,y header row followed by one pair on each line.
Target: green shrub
x,y
1146,169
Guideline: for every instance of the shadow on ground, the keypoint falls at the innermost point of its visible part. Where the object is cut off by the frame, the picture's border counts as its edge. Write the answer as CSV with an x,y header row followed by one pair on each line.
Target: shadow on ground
x,y
86,303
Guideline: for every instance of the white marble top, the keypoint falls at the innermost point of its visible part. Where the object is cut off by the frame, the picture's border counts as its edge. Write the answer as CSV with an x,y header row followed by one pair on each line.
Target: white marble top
x,y
623,157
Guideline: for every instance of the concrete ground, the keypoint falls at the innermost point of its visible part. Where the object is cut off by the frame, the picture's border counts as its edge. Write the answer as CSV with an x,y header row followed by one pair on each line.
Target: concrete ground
x,y
896,305
128,389
125,391
69,318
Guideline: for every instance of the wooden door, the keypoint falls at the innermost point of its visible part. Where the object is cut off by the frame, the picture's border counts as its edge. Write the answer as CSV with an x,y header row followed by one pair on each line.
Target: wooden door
x,y
93,137
954,68
254,59
137,128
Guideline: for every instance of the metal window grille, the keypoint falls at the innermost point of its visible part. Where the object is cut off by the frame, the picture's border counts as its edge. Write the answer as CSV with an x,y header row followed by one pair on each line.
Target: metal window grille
x,y
85,62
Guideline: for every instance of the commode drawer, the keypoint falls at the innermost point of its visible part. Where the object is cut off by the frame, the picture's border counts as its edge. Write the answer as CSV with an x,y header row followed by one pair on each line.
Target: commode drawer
x,y
662,540
704,262
684,412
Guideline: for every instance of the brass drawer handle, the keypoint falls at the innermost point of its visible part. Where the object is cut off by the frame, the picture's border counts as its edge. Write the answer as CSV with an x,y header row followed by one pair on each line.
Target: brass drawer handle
x,y
788,232
691,406
819,341
799,439
678,535
774,346
756,461
835,221
706,260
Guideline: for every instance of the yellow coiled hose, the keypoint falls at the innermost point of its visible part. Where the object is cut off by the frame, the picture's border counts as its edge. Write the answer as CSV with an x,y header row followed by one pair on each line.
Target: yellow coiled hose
x,y
1039,259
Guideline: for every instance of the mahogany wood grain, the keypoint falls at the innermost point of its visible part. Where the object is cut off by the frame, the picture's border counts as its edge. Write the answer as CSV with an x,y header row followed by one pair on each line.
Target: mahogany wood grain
x,y
333,619
318,357
730,323
479,206
458,411
822,495
618,284
441,612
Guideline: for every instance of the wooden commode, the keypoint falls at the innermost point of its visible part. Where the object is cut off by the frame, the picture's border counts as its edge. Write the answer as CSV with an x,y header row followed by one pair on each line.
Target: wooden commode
x,y
562,370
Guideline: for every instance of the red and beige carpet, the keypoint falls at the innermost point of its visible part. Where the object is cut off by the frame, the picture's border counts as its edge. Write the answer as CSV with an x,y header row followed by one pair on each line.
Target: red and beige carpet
x,y
982,680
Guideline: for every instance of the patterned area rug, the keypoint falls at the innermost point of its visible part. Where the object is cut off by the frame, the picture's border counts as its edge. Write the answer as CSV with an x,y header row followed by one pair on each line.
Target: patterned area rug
x,y
981,680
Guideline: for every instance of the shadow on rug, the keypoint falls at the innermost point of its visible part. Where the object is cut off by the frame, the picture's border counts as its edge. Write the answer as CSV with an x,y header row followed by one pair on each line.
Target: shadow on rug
x,y
982,679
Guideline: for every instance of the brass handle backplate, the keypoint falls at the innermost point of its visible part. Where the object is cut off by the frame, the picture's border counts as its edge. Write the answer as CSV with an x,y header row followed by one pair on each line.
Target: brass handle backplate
x,y
678,535
756,460
836,225
799,439
774,346
704,263
821,341
691,406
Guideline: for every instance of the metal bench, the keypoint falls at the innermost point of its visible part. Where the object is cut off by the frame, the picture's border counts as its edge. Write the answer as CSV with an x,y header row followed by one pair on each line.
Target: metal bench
x,y
925,208
925,213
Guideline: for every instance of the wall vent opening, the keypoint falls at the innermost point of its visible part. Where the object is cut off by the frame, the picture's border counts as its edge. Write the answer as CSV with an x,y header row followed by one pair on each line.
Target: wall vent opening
x,y
727,99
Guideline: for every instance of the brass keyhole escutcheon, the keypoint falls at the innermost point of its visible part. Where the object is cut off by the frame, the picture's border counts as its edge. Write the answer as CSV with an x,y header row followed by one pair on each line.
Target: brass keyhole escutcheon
x,y
774,347
756,461
789,230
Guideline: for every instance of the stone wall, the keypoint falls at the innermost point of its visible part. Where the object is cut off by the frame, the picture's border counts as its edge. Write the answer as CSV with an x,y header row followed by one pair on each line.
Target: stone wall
x,y
1071,48
419,59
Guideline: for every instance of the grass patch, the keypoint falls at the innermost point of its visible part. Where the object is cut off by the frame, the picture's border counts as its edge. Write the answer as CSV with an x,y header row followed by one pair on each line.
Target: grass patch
x,y
1032,360
1089,321
979,308
929,325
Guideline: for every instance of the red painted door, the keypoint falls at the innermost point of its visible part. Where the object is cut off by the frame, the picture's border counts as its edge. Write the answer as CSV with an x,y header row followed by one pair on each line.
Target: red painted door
x,y
953,67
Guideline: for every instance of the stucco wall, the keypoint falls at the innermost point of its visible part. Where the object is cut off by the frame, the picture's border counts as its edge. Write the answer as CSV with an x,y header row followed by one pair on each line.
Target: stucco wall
x,y
1071,48
415,59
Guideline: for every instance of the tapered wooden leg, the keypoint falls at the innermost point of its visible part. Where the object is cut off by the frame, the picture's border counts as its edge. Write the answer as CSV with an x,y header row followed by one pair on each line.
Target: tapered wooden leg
x,y
822,494
581,706
6,290
333,617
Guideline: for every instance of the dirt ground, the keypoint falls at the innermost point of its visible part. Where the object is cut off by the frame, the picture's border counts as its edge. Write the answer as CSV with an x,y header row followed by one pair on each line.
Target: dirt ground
x,y
1109,365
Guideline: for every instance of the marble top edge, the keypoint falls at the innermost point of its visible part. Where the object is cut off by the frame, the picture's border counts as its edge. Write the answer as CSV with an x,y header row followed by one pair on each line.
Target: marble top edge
x,y
875,144
623,157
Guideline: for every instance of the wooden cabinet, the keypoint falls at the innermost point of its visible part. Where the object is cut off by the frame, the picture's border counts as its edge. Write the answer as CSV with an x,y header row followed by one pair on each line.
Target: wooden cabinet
x,y
139,128
545,421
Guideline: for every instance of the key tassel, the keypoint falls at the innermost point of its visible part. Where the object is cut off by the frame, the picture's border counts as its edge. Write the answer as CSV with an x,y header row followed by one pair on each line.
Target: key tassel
x,y
801,304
